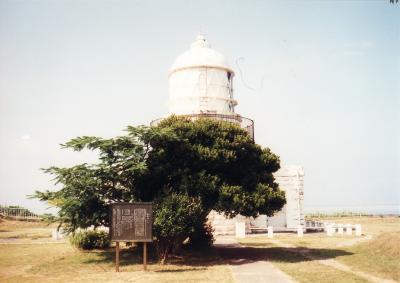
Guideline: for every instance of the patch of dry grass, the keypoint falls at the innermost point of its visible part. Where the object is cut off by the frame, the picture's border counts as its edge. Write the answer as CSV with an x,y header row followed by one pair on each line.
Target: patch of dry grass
x,y
24,230
306,271
62,263
376,253
59,262
379,256
388,244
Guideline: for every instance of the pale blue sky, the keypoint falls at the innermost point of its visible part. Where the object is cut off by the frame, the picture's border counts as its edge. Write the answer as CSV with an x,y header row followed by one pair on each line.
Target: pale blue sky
x,y
320,79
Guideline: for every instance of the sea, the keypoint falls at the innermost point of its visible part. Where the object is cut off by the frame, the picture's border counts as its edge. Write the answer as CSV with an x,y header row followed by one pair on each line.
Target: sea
x,y
364,209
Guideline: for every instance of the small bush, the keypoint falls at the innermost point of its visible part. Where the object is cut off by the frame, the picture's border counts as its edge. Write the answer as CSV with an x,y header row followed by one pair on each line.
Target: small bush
x,y
174,219
202,237
90,239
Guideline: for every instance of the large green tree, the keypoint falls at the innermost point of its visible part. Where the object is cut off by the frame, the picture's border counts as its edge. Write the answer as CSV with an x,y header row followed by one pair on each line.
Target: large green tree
x,y
187,168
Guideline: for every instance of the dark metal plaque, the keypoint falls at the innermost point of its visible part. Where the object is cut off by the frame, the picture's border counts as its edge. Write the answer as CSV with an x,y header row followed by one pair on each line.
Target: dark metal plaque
x,y
131,222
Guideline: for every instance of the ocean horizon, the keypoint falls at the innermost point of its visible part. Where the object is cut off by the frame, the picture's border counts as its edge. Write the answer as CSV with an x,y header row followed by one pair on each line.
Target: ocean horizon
x,y
365,209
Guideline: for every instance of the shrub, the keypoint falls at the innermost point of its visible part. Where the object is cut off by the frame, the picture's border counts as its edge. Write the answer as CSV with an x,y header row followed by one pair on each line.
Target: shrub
x,y
202,237
90,239
175,218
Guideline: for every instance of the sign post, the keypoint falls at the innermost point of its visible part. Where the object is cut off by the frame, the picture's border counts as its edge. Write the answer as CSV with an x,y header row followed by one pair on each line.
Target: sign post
x,y
117,256
131,222
144,256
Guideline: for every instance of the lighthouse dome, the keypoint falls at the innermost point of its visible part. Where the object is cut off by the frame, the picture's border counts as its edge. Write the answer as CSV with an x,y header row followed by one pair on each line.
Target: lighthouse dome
x,y
200,54
200,81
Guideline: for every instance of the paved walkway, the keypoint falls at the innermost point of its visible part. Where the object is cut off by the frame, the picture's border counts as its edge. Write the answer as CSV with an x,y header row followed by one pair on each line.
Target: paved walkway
x,y
248,268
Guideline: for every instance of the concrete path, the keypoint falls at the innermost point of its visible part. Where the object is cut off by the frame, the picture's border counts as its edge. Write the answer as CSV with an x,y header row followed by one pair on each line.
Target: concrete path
x,y
247,268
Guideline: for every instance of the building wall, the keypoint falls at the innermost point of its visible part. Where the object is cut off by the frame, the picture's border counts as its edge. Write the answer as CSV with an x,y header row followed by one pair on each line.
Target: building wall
x,y
226,226
290,180
201,90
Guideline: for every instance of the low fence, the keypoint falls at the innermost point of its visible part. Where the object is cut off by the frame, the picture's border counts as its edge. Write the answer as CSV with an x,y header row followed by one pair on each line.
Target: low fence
x,y
245,123
18,213
313,225
319,215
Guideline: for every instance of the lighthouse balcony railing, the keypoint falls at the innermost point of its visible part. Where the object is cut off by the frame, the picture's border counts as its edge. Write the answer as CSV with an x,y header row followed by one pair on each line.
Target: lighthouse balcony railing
x,y
245,123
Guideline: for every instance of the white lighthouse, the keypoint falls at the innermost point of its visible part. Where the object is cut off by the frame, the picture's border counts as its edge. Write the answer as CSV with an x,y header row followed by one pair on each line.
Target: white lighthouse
x,y
201,86
201,81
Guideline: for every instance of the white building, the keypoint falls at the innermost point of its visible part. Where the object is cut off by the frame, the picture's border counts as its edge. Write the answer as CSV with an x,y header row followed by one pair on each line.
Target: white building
x,y
200,81
201,85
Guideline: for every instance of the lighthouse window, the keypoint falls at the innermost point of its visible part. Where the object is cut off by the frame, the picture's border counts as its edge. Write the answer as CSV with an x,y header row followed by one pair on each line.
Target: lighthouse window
x,y
229,76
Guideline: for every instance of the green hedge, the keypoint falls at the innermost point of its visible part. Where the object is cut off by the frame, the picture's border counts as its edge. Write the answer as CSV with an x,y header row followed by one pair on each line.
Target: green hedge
x,y
89,240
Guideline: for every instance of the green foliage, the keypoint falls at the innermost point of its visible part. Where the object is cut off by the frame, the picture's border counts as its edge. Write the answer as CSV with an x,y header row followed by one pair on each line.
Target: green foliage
x,y
90,239
217,162
187,168
202,236
87,190
175,218
175,215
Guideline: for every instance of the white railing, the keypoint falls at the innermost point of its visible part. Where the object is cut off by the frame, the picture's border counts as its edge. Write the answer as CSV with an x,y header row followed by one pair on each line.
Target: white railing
x,y
18,213
314,225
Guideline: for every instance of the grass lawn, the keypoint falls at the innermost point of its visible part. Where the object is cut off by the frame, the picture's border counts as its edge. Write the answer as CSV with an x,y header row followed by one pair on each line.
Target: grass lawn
x,y
380,256
377,252
24,230
22,261
304,270
29,255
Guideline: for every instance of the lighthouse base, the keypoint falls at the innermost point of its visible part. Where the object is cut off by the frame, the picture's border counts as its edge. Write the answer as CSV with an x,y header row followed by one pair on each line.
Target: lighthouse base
x,y
289,218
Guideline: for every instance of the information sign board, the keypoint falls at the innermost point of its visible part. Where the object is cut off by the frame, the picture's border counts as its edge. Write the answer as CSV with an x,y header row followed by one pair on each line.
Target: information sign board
x,y
132,222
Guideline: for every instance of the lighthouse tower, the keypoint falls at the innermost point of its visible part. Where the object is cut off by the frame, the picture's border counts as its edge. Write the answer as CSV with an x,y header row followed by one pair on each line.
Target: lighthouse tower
x,y
200,81
201,86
